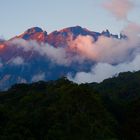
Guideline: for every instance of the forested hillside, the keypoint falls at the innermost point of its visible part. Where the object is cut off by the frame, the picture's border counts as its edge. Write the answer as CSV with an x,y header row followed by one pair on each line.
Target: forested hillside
x,y
62,110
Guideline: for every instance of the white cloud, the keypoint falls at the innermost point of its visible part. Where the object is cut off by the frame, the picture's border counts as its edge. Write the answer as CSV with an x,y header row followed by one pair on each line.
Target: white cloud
x,y
103,71
38,77
56,55
17,60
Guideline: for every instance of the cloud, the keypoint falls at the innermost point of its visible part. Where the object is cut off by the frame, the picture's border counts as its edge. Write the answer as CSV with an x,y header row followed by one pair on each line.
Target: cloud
x,y
17,61
119,8
108,49
111,55
38,77
105,49
60,56
56,55
108,55
102,71
132,30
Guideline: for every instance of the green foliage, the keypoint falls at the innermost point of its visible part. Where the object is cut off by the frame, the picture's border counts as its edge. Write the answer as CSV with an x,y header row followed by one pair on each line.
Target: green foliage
x,y
62,110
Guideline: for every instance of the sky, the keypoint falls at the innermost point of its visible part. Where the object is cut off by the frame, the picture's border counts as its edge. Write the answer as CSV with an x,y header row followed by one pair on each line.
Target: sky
x,y
16,16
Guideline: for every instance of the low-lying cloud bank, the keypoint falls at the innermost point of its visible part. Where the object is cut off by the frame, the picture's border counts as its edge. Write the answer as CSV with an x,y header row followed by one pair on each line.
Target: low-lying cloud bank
x,y
102,71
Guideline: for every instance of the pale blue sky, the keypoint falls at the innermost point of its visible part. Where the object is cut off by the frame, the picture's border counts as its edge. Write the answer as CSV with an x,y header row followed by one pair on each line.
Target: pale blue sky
x,y
18,15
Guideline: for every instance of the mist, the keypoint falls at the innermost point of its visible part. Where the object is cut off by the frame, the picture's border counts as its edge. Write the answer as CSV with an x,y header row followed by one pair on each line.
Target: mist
x,y
102,71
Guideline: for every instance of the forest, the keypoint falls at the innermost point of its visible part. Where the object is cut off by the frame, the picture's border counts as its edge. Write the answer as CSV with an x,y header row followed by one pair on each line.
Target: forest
x,y
63,110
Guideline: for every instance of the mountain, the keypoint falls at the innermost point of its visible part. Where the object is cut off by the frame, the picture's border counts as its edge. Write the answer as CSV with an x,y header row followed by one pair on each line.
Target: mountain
x,y
33,55
67,111
61,38
34,33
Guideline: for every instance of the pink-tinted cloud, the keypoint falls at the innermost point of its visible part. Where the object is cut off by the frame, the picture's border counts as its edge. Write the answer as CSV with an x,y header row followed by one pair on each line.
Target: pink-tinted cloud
x,y
119,8
109,50
112,55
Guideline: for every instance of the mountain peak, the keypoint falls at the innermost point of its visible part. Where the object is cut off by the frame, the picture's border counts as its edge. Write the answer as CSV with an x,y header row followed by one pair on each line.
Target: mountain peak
x,y
34,30
61,37
75,30
34,33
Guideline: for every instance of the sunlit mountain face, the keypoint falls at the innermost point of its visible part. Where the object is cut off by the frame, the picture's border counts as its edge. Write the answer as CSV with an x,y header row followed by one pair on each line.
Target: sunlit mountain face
x,y
35,55
62,37
34,33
